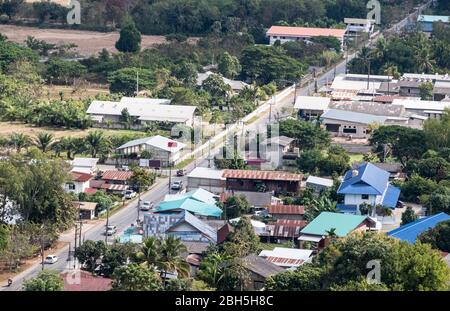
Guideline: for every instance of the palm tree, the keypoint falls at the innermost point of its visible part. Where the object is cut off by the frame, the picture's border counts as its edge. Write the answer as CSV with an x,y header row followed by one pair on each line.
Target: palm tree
x,y
171,260
424,60
331,233
44,141
366,55
391,70
380,49
150,251
19,141
96,142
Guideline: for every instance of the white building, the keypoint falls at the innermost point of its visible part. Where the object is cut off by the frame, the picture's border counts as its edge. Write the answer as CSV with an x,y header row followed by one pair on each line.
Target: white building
x,y
79,182
311,106
108,113
159,147
355,25
318,183
286,33
85,165
207,178
426,108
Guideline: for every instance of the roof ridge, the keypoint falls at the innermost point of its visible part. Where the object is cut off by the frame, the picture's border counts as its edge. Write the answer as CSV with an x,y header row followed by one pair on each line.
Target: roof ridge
x,y
418,221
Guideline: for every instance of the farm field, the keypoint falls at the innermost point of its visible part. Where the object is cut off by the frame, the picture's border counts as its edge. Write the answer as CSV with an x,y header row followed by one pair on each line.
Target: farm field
x,y
88,42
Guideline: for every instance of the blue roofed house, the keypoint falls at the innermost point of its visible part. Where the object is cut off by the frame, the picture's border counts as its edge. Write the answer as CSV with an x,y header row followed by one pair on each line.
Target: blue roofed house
x,y
367,184
426,21
411,231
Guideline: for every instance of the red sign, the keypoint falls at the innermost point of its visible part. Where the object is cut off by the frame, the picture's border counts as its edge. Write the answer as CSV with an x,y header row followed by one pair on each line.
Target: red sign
x,y
171,144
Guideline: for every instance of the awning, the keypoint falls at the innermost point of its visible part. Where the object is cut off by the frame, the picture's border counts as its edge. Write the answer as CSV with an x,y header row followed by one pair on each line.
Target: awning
x,y
311,238
114,187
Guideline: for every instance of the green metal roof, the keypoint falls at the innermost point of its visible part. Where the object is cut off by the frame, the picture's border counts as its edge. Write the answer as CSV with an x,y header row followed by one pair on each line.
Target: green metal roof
x,y
343,223
191,205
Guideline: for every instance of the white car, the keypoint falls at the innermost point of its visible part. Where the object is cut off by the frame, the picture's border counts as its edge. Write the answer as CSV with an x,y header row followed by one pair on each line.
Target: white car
x,y
110,230
177,185
129,194
51,259
145,205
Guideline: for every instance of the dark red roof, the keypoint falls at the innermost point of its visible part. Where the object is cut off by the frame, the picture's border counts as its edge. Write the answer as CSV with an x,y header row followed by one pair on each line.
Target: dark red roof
x,y
117,175
285,228
85,281
287,209
90,190
96,183
223,232
80,177
262,175
285,261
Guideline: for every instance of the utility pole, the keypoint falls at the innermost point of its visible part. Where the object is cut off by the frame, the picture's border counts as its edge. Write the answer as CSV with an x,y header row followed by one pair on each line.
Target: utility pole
x,y
209,153
137,83
75,246
81,223
270,108
107,224
139,202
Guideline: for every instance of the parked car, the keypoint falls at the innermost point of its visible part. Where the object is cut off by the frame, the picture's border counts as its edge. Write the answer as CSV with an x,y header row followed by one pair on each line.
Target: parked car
x,y
145,206
181,172
51,259
177,185
110,230
129,194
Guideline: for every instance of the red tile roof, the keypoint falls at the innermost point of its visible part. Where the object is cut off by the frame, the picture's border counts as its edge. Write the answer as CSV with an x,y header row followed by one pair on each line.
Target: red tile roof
x,y
262,175
85,281
96,183
90,190
117,175
287,209
305,31
80,177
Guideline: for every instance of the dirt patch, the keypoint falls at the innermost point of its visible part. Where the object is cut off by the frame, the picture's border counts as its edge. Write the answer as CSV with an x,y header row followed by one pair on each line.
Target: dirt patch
x,y
7,128
88,42
78,92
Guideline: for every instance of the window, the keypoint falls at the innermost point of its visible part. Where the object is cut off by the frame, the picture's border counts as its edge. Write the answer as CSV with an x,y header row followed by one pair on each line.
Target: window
x,y
349,130
71,186
365,196
283,37
275,37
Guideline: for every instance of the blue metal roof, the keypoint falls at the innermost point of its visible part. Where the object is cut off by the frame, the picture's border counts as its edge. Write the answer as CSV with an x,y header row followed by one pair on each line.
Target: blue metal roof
x,y
370,180
391,197
191,205
346,209
411,231
209,232
433,18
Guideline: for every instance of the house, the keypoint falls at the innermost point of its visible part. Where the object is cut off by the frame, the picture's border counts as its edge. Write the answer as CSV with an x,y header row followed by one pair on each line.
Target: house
x,y
259,269
85,165
197,194
114,181
84,281
184,225
320,228
426,21
279,211
394,169
79,182
356,25
163,150
236,86
141,110
441,90
358,83
207,178
409,83
318,184
310,107
263,181
189,204
287,33
255,199
411,231
283,230
258,226
426,108
287,258
367,184
86,209
279,151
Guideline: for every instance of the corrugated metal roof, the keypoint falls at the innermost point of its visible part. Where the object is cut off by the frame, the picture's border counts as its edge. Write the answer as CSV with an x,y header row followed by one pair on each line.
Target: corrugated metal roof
x,y
80,177
262,175
351,116
157,141
433,18
287,209
319,181
390,198
369,180
411,231
191,205
114,187
305,31
285,262
260,266
117,175
206,173
342,223
312,102
206,230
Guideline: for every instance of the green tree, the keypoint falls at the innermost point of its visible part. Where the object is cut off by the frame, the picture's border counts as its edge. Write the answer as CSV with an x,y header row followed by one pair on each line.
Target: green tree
x,y
125,80
438,237
135,278
97,142
130,38
141,178
170,260
408,216
186,72
19,141
116,256
89,253
44,141
360,285
216,87
59,70
306,134
46,281
305,278
235,206
426,91
228,65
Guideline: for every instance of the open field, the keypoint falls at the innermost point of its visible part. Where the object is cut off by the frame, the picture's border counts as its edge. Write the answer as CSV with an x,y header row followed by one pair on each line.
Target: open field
x,y
7,128
88,42
79,92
